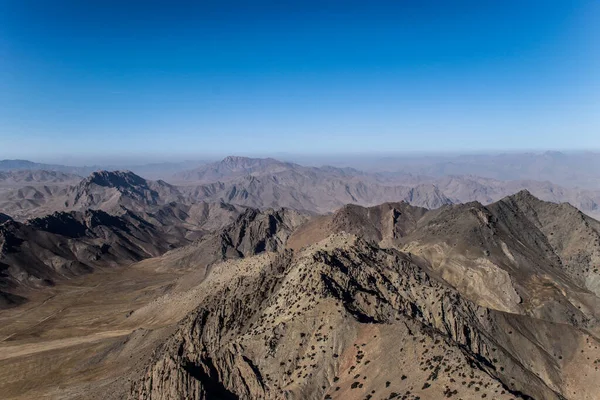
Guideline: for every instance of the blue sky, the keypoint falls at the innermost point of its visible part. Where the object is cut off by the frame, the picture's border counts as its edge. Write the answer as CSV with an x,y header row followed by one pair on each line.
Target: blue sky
x,y
84,79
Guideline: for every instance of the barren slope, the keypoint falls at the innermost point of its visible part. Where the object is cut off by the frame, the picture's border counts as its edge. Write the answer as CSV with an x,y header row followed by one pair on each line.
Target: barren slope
x,y
345,319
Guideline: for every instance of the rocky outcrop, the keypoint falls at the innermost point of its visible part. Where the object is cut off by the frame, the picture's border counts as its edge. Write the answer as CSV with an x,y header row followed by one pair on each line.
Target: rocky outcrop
x,y
260,334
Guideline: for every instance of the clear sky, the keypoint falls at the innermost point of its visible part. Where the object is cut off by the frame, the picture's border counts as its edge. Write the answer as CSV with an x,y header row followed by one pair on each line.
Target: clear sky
x,y
157,78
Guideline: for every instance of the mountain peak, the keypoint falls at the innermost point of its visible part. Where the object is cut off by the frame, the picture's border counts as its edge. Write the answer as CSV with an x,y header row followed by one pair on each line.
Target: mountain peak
x,y
247,162
15,164
109,188
233,167
523,195
117,179
235,159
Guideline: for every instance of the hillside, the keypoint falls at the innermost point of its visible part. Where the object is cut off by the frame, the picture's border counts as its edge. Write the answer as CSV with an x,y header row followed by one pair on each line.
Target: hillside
x,y
514,255
63,245
325,323
110,191
48,250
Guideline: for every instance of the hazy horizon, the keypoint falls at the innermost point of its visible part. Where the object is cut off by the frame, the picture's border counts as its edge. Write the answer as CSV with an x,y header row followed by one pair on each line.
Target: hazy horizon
x,y
336,159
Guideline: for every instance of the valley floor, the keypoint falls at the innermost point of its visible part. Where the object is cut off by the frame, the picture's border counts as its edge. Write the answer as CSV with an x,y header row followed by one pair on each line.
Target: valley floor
x,y
71,341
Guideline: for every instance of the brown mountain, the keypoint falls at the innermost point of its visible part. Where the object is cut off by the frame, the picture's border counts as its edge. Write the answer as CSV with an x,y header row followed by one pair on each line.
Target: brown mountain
x,y
109,190
383,223
233,167
252,232
102,190
268,183
272,183
496,300
32,201
193,220
213,290
346,319
498,255
462,189
66,244
316,193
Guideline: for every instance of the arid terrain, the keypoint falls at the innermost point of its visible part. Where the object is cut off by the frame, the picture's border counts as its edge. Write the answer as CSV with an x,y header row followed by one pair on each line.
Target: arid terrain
x,y
256,278
299,200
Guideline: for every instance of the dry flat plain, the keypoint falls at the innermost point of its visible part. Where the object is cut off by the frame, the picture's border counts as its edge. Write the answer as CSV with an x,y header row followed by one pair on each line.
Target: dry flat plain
x,y
71,341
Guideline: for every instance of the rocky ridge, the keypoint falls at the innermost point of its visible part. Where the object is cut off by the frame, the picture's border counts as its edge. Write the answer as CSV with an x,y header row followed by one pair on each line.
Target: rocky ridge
x,y
308,325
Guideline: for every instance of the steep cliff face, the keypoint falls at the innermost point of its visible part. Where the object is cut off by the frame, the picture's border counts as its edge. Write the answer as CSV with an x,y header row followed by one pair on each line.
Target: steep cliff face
x,y
347,319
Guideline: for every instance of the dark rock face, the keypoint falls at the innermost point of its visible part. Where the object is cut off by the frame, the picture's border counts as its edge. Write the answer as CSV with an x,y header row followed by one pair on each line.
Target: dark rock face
x,y
8,300
256,232
4,218
77,224
252,232
9,237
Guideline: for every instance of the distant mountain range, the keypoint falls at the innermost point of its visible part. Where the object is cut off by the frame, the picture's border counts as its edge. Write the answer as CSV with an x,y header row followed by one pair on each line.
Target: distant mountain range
x,y
17,165
568,169
266,183
269,182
